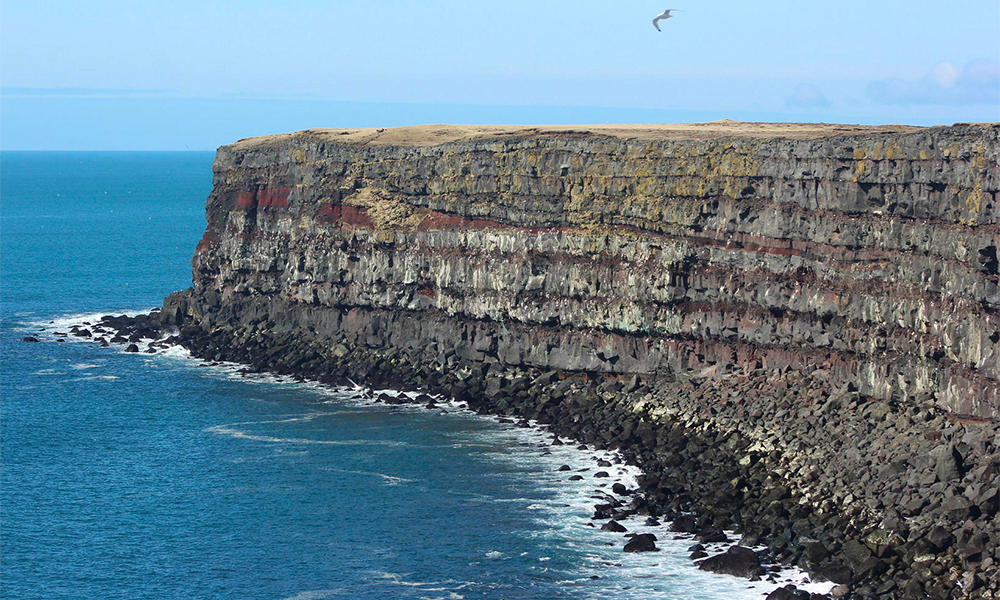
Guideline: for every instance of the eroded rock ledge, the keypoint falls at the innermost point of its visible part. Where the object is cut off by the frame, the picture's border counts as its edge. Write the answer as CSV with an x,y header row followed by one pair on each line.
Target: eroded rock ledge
x,y
793,329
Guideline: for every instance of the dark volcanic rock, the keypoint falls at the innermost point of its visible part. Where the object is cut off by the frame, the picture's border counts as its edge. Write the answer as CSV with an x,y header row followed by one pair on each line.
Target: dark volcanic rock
x,y
737,560
614,526
784,593
684,524
712,537
29,338
644,542
836,573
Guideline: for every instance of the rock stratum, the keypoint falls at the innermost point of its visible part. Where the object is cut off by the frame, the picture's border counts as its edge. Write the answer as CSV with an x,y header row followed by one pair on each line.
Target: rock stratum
x,y
794,330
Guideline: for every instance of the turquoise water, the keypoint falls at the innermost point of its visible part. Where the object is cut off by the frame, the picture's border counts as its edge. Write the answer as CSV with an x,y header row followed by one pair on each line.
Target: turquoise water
x,y
156,476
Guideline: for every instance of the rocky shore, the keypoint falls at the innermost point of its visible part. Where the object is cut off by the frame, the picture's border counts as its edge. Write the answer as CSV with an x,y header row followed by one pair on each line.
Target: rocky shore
x,y
885,500
792,330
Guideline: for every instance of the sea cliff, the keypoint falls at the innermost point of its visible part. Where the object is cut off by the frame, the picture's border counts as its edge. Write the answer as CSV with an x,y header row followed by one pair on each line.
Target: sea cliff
x,y
792,329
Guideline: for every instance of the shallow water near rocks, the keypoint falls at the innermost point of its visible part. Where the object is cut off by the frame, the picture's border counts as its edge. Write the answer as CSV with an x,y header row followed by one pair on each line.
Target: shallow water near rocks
x,y
135,475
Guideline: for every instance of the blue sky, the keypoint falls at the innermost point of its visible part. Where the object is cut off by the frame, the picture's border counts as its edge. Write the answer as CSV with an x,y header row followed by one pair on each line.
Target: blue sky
x,y
109,74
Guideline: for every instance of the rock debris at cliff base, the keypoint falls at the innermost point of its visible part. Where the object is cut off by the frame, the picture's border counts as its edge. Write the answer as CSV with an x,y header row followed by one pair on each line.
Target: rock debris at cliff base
x,y
793,332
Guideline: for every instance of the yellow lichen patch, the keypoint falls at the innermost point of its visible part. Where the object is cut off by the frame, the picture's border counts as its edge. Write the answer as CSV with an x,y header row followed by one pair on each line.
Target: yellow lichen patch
x,y
974,201
979,156
892,150
385,212
860,170
298,155
973,205
386,236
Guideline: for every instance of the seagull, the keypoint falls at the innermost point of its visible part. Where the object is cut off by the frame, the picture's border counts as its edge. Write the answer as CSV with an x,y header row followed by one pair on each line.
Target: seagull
x,y
665,15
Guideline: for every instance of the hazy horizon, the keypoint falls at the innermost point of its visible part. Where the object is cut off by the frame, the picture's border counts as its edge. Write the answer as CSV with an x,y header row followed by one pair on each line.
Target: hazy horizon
x,y
116,75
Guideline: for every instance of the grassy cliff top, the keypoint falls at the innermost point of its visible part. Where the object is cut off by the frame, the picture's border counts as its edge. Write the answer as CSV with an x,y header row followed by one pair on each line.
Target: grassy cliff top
x,y
431,135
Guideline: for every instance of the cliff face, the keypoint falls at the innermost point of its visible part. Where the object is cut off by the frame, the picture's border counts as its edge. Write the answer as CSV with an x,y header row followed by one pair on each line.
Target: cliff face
x,y
792,329
871,254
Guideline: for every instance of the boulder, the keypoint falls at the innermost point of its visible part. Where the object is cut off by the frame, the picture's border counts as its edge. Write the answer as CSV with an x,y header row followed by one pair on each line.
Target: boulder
x,y
815,552
940,538
947,463
614,526
684,524
712,537
836,573
784,593
855,554
644,542
738,561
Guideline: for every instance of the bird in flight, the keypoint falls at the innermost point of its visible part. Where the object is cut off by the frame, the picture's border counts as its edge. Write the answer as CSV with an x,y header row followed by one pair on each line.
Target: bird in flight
x,y
664,15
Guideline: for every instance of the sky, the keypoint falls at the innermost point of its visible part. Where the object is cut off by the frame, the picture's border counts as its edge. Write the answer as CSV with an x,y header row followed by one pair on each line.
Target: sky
x,y
185,74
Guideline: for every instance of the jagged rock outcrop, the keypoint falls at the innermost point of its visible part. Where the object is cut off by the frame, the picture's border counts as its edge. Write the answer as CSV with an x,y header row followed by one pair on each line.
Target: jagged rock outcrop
x,y
811,311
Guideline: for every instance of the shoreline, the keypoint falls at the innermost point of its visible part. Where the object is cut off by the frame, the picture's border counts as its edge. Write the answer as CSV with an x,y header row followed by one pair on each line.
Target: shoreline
x,y
700,475
139,328
703,457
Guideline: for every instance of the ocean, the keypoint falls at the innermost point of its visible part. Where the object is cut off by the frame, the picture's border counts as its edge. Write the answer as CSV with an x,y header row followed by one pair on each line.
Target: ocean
x,y
160,476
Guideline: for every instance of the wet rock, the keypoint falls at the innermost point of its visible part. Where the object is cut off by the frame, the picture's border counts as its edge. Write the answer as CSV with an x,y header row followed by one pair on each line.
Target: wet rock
x,y
815,552
132,348
684,524
29,338
644,542
836,573
712,537
614,526
784,593
855,554
737,560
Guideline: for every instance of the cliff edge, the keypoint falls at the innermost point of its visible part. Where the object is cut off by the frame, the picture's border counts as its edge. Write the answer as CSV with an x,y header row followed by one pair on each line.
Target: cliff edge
x,y
792,328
